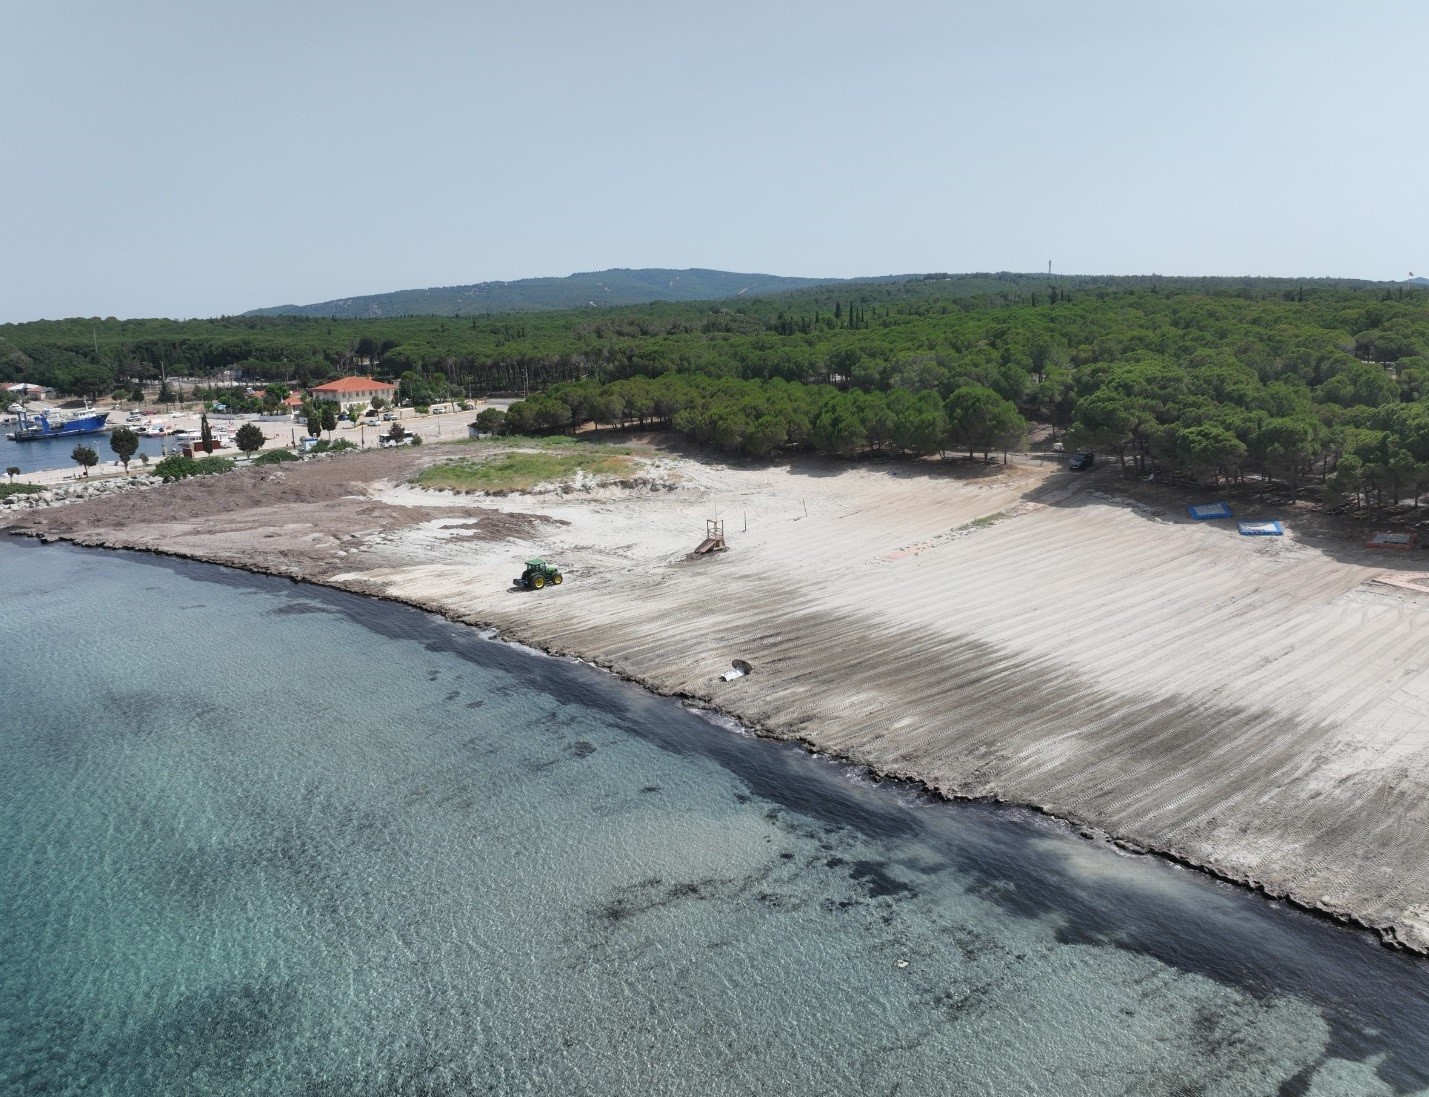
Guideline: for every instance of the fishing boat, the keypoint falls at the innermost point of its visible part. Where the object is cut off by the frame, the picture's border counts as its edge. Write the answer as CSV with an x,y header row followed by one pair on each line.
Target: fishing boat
x,y
51,424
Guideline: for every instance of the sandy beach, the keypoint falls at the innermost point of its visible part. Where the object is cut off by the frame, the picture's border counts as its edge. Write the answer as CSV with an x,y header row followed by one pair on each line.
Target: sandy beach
x,y
1252,706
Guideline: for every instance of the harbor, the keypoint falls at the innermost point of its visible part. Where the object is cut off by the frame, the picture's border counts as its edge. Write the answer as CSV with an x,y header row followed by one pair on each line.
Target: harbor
x,y
48,461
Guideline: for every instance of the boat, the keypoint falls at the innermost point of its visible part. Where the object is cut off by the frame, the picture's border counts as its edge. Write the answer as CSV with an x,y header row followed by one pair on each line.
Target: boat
x,y
50,424
190,442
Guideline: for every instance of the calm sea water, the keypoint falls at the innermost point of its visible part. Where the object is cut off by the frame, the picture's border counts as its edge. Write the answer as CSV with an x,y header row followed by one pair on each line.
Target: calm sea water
x,y
259,838
54,453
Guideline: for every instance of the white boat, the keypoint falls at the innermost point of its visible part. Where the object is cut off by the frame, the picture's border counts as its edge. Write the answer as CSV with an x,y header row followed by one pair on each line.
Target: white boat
x,y
194,439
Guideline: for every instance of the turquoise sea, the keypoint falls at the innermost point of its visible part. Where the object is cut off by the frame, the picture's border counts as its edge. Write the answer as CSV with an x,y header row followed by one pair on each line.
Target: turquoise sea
x,y
263,838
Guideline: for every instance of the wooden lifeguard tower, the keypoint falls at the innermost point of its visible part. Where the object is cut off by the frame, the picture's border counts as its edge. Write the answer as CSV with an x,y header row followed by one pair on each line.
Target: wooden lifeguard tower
x,y
714,537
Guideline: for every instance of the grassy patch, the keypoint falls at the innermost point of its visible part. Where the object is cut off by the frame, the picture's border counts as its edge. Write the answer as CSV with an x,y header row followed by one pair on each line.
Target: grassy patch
x,y
7,490
983,522
522,471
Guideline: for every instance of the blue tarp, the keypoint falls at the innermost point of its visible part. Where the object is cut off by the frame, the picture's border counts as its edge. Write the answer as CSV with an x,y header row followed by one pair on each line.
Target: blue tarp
x,y
1261,529
1206,511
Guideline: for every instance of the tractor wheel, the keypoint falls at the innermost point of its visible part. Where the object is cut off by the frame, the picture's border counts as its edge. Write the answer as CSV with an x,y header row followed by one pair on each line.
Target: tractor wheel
x,y
538,581
556,579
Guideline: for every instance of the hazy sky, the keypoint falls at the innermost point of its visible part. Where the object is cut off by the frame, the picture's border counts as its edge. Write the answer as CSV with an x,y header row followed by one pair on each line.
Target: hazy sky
x,y
197,158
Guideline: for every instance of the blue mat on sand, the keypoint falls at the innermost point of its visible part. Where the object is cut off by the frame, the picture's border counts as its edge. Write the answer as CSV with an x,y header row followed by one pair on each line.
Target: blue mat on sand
x,y
1261,529
1206,511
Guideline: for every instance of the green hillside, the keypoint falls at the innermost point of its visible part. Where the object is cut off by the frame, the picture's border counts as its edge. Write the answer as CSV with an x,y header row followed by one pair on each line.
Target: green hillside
x,y
1319,384
595,289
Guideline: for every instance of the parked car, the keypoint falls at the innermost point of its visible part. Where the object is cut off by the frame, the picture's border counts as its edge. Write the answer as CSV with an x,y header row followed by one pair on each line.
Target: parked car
x,y
387,418
1081,461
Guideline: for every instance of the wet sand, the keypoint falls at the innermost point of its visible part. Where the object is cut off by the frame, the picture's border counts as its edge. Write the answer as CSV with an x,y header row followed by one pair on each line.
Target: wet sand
x,y
1252,706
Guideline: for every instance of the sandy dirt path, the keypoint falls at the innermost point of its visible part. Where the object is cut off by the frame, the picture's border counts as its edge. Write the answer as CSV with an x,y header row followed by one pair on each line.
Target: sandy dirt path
x,y
1254,706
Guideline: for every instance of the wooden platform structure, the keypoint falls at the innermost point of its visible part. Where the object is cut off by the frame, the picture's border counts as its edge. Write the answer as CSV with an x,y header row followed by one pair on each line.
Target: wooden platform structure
x,y
714,538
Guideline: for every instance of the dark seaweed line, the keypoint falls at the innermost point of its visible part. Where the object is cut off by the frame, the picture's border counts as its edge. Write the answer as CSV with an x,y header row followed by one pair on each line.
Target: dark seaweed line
x,y
1388,934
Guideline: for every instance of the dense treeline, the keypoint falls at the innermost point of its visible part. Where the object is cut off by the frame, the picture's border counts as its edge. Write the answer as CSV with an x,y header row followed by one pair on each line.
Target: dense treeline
x,y
1304,381
761,417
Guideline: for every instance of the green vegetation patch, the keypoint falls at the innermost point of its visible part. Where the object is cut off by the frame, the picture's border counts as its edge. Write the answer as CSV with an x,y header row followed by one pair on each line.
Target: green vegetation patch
x,y
7,490
276,457
178,467
522,471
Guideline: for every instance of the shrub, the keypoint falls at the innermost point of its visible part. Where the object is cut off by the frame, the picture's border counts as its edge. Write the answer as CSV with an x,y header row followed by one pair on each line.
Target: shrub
x,y
333,447
276,457
490,420
179,467
7,490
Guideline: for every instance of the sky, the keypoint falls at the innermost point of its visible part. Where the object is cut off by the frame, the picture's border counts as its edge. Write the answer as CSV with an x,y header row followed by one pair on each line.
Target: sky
x,y
166,158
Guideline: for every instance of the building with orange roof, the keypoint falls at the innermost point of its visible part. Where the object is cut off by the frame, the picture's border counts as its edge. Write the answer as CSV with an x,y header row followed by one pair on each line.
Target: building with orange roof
x,y
349,392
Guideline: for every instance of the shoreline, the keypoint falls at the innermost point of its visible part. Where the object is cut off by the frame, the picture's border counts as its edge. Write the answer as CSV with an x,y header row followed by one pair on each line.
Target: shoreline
x,y
1005,635
1387,935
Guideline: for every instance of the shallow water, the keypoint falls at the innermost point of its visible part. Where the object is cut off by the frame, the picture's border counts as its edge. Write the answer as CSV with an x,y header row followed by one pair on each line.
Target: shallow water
x,y
266,838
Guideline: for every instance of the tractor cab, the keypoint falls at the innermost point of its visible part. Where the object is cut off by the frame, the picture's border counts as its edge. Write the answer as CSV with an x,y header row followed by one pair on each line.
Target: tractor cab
x,y
538,574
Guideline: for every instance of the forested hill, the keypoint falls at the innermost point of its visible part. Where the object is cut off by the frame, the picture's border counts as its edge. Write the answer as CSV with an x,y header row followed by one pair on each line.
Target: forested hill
x,y
595,289
1309,381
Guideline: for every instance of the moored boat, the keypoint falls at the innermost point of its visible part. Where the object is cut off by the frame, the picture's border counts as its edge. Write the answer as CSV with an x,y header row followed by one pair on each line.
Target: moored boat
x,y
49,424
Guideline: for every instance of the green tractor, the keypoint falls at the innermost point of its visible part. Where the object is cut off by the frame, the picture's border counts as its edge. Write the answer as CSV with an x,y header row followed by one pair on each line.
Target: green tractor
x,y
538,574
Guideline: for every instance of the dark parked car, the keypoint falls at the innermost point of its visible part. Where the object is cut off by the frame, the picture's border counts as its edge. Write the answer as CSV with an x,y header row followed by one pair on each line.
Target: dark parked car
x,y
1081,461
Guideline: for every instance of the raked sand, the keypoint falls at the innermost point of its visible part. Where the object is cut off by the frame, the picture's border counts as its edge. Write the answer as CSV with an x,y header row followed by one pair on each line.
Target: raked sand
x,y
1259,707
